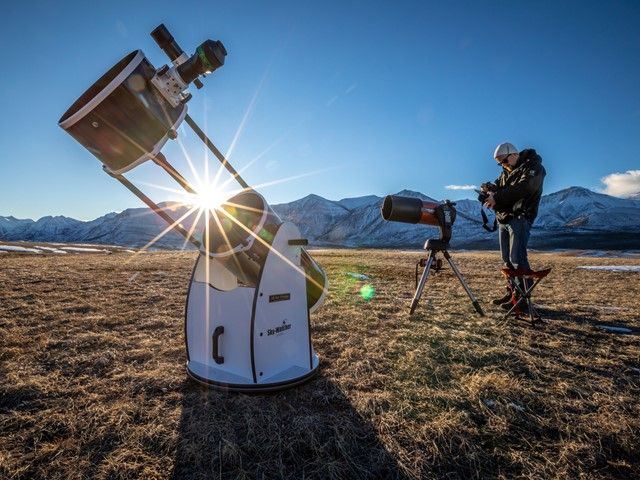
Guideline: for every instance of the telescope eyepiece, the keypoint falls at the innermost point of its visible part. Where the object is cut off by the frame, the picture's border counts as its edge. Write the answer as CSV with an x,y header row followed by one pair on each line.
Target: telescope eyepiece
x,y
209,57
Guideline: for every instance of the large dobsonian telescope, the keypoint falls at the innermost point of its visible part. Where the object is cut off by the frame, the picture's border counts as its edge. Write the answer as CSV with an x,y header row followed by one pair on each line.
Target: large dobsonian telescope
x,y
442,215
253,285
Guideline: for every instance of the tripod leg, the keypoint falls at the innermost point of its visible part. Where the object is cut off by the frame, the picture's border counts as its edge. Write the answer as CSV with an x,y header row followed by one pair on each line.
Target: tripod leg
x,y
423,280
474,301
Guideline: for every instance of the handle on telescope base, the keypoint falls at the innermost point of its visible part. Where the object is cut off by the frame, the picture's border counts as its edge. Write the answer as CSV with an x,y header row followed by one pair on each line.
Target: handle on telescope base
x,y
216,336
299,241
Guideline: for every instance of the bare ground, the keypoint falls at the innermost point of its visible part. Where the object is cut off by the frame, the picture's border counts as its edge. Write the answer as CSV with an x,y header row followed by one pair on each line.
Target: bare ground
x,y
92,380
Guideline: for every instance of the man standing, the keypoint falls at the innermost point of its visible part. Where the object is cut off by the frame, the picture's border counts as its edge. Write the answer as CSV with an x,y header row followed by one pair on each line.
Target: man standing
x,y
515,201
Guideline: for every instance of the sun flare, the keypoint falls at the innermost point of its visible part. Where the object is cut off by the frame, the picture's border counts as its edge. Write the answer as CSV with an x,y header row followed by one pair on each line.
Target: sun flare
x,y
209,198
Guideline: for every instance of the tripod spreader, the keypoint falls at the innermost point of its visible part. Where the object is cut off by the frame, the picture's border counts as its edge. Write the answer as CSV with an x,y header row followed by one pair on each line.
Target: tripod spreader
x,y
434,246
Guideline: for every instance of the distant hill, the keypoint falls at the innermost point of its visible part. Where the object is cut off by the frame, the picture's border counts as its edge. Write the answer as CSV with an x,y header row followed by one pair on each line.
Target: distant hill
x,y
572,218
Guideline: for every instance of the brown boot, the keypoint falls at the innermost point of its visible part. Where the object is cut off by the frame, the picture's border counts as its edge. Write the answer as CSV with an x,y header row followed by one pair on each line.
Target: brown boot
x,y
505,298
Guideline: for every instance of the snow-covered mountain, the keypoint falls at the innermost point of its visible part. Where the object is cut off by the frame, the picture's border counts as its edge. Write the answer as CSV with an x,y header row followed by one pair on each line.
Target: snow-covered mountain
x,y
571,218
325,213
580,207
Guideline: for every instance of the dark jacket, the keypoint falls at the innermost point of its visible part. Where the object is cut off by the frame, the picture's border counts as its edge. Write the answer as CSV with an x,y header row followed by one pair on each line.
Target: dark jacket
x,y
519,191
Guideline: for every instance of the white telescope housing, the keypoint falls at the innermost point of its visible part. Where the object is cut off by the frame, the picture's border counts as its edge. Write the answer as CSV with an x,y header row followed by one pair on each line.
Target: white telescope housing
x,y
254,290
253,285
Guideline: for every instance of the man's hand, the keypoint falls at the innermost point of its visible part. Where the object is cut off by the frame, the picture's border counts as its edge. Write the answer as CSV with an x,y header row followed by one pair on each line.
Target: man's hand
x,y
490,202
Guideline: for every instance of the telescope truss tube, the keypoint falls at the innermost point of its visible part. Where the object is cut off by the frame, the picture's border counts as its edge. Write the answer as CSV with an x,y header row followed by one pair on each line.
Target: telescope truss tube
x,y
155,207
160,160
225,163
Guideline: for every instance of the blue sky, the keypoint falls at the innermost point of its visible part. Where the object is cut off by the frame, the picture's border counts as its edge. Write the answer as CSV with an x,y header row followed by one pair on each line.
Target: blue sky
x,y
374,97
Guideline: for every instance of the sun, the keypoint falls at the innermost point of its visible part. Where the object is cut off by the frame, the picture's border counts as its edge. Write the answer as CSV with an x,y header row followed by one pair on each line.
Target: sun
x,y
209,198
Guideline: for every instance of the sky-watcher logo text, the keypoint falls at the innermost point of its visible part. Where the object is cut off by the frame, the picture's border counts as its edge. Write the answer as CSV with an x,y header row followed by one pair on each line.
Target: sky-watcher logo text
x,y
279,329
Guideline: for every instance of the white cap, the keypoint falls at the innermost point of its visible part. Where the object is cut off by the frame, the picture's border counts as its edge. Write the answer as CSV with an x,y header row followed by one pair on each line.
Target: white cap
x,y
504,149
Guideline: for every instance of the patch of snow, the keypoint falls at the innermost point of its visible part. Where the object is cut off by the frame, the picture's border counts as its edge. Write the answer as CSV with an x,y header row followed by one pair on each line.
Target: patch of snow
x,y
84,244
612,268
608,253
614,329
51,249
16,248
593,253
82,249
357,276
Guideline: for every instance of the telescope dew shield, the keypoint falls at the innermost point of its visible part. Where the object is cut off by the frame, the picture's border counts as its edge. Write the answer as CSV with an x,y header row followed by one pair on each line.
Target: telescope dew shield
x,y
409,210
122,119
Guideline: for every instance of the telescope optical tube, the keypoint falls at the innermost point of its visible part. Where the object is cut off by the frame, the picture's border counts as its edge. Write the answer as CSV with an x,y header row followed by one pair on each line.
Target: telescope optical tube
x,y
409,210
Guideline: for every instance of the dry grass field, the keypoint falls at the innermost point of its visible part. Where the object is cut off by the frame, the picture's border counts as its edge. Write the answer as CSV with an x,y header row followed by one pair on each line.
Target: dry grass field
x,y
93,385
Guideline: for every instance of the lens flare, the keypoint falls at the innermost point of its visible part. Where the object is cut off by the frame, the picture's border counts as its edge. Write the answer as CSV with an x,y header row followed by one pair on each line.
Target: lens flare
x,y
209,198
367,292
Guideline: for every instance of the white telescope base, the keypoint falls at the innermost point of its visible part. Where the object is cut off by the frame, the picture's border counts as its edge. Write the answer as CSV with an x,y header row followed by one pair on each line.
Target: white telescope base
x,y
251,338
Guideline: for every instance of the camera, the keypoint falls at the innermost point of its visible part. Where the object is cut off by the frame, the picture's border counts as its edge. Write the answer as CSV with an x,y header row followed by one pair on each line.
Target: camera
x,y
485,188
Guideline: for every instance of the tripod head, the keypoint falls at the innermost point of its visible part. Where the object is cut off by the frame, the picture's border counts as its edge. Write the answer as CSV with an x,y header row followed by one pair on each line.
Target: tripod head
x,y
414,210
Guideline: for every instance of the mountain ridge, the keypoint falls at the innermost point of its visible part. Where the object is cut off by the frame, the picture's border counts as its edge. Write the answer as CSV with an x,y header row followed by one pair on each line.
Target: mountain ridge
x,y
574,217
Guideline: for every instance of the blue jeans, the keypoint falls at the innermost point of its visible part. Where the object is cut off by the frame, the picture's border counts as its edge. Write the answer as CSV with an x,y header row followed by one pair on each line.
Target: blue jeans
x,y
514,236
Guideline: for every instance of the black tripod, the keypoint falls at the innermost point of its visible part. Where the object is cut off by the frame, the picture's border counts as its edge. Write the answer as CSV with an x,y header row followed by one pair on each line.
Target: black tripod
x,y
434,246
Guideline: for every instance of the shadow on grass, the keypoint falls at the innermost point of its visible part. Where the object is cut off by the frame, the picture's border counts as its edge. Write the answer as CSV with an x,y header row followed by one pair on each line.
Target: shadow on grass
x,y
612,328
311,431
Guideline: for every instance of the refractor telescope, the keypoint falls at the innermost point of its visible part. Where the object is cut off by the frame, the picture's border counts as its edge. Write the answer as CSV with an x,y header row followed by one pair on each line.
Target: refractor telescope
x,y
254,285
